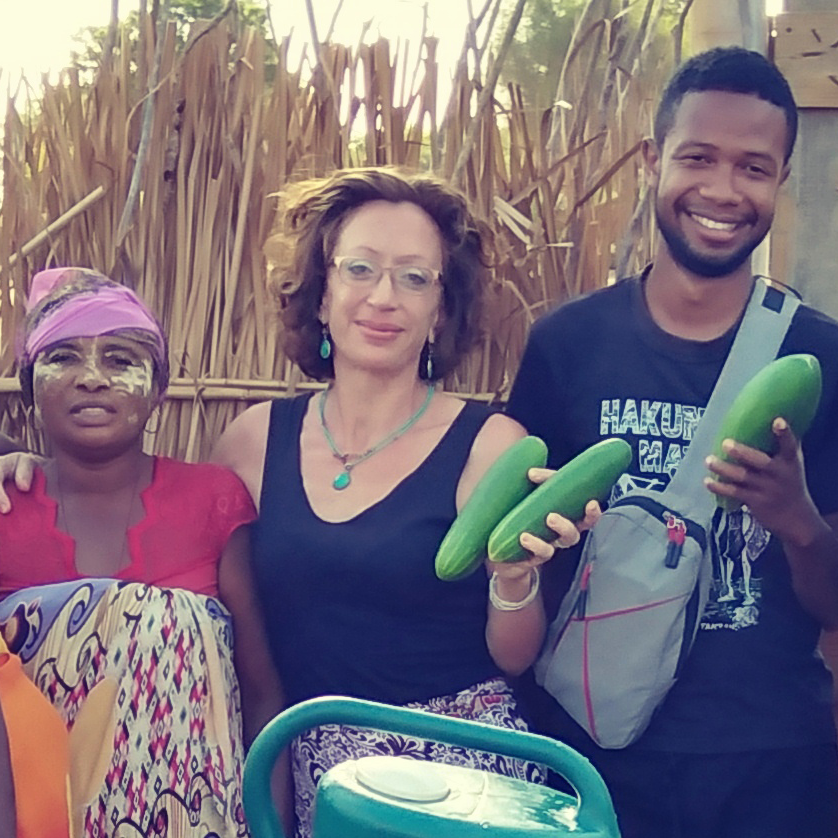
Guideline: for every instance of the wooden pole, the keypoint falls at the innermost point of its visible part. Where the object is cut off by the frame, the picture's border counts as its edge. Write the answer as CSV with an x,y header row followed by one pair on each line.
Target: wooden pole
x,y
806,241
722,23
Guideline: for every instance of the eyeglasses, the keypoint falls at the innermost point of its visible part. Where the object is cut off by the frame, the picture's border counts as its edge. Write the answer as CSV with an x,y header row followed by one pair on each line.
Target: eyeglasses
x,y
366,273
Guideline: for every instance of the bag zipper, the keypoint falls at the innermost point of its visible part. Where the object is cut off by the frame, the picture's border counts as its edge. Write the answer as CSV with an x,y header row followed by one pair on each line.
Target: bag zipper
x,y
678,529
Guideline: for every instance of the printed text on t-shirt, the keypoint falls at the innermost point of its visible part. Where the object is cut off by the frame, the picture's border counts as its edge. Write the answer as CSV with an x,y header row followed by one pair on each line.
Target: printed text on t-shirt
x,y
667,427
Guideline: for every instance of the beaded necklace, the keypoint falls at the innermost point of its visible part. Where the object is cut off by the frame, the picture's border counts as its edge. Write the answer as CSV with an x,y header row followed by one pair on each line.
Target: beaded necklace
x,y
349,461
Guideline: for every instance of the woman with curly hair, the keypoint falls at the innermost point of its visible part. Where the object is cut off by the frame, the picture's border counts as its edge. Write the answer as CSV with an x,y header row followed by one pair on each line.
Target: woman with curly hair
x,y
381,281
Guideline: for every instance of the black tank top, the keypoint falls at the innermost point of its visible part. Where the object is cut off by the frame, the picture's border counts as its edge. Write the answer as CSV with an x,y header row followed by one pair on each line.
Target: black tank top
x,y
355,608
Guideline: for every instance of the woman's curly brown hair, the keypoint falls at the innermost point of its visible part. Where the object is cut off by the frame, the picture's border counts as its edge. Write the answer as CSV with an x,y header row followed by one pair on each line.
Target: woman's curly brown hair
x,y
314,213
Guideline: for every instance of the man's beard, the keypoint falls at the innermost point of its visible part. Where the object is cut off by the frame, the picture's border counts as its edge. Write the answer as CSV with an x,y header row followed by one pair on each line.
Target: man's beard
x,y
698,263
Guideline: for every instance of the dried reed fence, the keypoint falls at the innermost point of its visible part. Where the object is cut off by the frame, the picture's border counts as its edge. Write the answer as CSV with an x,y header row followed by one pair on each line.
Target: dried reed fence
x,y
160,172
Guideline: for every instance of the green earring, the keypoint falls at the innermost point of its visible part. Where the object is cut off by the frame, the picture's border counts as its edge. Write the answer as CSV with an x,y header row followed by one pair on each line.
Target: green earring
x,y
325,344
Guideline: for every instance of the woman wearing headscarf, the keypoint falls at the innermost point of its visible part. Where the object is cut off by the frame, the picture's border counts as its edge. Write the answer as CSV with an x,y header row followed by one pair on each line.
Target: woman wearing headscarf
x,y
124,577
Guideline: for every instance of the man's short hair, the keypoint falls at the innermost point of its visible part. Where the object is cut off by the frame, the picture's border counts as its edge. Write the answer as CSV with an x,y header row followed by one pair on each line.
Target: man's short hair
x,y
733,70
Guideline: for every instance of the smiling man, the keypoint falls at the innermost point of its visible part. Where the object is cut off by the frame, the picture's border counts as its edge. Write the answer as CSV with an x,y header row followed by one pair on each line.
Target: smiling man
x,y
744,744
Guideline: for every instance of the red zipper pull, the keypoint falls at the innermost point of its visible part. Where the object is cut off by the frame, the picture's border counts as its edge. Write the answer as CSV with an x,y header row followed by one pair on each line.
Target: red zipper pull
x,y
676,532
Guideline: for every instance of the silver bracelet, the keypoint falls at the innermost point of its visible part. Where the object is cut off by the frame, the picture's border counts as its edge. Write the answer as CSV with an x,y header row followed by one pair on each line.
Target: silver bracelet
x,y
505,604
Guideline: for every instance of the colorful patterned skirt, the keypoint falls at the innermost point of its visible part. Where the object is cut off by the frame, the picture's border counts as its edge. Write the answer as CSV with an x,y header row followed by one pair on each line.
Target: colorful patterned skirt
x,y
144,680
317,750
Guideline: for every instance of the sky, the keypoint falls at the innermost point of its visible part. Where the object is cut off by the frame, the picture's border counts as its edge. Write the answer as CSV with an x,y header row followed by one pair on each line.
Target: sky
x,y
36,36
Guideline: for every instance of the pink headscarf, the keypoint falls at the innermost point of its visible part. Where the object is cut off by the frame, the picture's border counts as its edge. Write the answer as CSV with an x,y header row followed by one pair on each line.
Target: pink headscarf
x,y
100,311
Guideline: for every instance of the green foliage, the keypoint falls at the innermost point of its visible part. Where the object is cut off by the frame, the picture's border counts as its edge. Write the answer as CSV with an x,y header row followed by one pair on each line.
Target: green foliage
x,y
184,13
535,58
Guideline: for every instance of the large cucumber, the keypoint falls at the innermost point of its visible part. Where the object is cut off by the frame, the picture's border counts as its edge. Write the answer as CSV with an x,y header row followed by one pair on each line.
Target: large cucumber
x,y
789,387
588,476
504,484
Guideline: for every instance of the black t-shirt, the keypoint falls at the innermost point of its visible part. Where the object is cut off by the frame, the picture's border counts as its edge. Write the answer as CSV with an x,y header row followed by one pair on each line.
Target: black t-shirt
x,y
598,367
355,608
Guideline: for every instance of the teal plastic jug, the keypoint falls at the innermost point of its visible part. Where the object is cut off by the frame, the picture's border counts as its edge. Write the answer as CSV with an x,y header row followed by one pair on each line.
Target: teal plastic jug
x,y
398,797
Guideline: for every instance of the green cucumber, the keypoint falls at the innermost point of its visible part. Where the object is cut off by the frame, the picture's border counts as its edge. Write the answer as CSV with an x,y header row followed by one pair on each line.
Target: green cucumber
x,y
588,476
504,484
788,387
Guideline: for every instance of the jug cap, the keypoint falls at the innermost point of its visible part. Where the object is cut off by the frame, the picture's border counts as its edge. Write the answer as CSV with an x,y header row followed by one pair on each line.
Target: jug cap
x,y
401,778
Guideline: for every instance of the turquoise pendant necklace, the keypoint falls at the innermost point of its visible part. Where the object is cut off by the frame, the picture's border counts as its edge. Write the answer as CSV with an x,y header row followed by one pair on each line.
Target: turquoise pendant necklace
x,y
348,461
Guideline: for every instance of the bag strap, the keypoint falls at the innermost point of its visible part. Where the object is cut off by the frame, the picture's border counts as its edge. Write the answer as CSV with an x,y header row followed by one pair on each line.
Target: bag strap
x,y
767,317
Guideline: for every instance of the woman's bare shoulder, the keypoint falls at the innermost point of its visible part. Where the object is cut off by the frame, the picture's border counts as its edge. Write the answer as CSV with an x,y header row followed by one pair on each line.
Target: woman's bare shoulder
x,y
243,444
496,435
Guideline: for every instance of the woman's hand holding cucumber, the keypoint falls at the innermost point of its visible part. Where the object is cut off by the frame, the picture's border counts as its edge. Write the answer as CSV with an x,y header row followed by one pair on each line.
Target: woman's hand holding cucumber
x,y
568,532
512,518
513,580
518,513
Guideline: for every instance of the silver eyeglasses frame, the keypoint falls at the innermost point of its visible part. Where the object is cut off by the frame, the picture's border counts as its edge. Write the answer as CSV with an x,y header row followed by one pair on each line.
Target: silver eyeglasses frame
x,y
399,275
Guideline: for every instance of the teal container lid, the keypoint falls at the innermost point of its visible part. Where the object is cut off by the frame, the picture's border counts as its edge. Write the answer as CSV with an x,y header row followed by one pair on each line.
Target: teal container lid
x,y
447,796
399,797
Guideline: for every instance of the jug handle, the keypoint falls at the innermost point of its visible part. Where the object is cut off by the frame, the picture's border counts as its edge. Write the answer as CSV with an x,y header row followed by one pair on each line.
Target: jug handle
x,y
595,811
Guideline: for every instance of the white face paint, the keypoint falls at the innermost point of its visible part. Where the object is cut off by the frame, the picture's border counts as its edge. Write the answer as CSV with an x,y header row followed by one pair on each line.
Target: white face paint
x,y
95,377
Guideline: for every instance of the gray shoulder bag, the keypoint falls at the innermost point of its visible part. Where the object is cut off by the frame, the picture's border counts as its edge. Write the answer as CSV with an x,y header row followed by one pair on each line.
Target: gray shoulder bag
x,y
626,626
